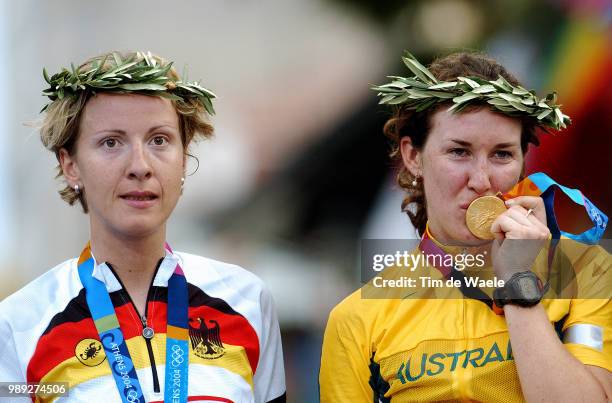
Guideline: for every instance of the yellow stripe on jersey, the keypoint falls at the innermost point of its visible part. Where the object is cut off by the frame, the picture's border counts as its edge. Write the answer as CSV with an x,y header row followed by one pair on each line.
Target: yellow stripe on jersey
x,y
232,358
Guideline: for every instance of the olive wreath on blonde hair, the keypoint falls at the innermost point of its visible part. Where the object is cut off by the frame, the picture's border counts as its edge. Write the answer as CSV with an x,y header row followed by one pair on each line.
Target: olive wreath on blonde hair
x,y
120,73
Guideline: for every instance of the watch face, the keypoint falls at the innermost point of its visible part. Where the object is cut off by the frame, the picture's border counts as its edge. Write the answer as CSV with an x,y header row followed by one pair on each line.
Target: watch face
x,y
529,287
526,290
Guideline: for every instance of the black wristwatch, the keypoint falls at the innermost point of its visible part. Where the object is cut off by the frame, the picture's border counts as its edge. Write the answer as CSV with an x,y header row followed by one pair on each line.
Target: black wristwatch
x,y
523,289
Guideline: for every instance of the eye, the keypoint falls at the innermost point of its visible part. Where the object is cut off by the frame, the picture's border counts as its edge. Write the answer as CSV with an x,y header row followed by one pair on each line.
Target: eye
x,y
502,154
159,140
458,152
110,142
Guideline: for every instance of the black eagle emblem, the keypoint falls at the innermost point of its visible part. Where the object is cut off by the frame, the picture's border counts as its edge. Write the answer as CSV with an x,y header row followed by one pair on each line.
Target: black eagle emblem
x,y
206,341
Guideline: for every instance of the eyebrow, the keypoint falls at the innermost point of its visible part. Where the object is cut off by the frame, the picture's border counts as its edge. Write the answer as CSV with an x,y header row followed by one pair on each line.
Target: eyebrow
x,y
468,144
161,126
123,133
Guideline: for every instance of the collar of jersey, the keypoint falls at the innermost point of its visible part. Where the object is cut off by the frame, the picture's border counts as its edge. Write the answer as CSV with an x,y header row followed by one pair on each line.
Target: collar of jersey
x,y
449,249
453,249
103,273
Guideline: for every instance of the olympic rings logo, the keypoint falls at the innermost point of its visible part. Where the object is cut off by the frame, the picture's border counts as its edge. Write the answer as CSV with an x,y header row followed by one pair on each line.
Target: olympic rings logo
x,y
132,396
597,218
178,355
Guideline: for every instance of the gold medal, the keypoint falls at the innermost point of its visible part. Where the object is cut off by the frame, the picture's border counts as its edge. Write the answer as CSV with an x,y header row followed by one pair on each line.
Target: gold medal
x,y
481,213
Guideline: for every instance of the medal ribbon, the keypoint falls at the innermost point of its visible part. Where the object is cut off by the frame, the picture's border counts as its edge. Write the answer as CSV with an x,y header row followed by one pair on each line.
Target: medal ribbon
x,y
115,347
429,247
177,333
540,184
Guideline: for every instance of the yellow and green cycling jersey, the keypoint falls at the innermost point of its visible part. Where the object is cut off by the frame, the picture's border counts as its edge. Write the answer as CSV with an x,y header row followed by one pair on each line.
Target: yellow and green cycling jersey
x,y
389,346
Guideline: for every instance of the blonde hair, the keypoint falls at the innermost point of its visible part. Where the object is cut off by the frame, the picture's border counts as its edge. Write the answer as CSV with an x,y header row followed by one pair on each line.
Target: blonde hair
x,y
61,123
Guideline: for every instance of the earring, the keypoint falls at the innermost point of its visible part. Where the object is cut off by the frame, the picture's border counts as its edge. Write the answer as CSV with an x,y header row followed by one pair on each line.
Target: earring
x,y
414,181
77,190
182,184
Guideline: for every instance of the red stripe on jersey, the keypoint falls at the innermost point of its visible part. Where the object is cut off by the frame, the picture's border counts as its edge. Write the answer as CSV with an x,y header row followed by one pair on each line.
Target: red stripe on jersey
x,y
57,346
59,343
233,329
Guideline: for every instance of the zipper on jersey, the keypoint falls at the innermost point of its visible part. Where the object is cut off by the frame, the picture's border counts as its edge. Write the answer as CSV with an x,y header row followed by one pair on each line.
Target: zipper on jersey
x,y
156,388
143,322
151,356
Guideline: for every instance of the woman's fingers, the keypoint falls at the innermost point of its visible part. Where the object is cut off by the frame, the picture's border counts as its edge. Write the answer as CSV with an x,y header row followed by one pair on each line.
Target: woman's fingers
x,y
521,216
535,203
503,225
519,237
518,223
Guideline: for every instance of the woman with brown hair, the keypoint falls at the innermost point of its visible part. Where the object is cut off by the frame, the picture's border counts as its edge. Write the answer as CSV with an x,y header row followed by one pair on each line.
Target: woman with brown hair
x,y
130,319
461,130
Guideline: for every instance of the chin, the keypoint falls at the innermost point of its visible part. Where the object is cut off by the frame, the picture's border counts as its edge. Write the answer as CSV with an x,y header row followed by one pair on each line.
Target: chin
x,y
138,228
465,238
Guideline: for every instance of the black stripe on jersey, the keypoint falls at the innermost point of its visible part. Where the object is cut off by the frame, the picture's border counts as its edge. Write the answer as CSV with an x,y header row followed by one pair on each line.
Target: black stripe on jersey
x,y
197,298
76,310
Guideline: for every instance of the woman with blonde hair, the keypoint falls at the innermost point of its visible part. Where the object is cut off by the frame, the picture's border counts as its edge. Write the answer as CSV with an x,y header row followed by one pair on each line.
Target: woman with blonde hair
x,y
130,319
530,318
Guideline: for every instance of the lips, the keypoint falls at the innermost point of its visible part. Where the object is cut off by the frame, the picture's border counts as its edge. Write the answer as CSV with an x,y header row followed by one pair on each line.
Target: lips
x,y
139,199
140,196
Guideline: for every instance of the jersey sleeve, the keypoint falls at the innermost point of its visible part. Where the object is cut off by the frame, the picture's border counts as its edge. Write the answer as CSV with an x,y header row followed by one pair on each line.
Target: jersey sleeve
x,y
269,379
587,330
345,359
10,370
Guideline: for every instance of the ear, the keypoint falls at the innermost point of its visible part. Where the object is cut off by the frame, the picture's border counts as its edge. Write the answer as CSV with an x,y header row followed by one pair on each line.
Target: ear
x,y
70,168
411,157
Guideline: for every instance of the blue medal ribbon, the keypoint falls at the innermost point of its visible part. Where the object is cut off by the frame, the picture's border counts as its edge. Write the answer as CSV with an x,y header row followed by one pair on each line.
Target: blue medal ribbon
x,y
115,347
540,184
177,335
547,185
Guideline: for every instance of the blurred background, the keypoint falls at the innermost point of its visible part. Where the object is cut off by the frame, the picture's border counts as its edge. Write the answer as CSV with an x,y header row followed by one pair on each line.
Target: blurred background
x,y
298,171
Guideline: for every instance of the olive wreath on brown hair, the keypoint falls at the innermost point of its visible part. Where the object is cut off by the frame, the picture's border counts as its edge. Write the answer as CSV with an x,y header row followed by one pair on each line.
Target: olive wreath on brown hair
x,y
424,91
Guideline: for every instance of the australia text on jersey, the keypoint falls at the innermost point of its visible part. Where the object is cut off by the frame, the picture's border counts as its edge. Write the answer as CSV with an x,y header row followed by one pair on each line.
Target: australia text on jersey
x,y
436,363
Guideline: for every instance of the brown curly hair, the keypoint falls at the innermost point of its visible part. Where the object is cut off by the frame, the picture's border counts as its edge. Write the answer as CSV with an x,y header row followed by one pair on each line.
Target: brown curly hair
x,y
61,123
417,125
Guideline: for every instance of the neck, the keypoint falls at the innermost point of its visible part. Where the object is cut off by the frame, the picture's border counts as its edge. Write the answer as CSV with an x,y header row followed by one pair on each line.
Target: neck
x,y
455,245
133,258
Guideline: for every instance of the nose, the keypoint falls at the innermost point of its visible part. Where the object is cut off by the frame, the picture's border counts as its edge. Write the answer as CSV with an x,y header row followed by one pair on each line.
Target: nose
x,y
139,165
479,179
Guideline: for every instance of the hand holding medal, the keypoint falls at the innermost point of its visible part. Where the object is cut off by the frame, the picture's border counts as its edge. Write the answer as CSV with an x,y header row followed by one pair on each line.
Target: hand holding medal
x,y
520,233
516,224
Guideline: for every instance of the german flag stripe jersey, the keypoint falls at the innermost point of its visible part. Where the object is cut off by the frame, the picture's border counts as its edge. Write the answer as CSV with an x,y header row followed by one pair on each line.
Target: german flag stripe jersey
x,y
235,349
